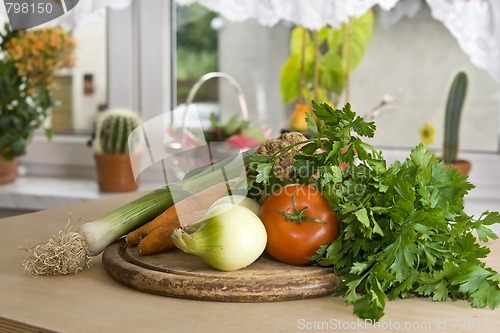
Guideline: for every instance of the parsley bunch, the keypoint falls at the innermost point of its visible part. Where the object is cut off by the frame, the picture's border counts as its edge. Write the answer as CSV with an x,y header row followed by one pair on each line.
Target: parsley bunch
x,y
403,229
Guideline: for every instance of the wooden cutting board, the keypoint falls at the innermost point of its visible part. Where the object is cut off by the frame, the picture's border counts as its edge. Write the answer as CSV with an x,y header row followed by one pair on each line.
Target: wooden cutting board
x,y
178,274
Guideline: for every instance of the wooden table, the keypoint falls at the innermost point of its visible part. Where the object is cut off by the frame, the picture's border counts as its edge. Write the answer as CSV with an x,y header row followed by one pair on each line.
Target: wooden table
x,y
93,302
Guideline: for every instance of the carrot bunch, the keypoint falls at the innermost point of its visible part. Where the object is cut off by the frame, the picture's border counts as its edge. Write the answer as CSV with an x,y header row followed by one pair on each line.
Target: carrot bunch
x,y
154,236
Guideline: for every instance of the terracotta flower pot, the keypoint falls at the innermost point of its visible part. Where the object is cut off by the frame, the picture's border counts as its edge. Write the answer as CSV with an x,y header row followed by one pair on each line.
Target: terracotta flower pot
x,y
114,172
8,170
463,166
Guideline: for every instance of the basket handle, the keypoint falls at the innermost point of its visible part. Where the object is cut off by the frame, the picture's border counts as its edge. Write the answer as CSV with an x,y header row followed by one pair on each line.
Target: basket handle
x,y
196,87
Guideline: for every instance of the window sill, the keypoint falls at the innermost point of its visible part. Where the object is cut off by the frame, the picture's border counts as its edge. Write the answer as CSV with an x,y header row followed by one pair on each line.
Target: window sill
x,y
38,193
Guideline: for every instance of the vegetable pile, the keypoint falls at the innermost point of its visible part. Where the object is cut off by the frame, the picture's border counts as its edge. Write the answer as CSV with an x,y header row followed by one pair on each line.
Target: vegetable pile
x,y
403,229
71,251
389,231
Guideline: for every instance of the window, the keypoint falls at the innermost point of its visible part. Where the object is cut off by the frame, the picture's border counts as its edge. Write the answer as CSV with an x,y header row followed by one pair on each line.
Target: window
x,y
196,51
405,61
248,52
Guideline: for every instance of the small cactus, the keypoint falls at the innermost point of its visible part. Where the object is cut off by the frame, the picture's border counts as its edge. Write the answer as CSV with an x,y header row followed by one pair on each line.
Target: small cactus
x,y
454,107
113,131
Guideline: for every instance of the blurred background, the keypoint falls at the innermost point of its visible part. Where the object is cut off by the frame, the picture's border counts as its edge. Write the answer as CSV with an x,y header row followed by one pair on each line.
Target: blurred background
x,y
146,56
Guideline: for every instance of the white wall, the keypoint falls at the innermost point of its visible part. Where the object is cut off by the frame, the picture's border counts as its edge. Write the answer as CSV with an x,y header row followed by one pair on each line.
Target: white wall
x,y
253,55
414,61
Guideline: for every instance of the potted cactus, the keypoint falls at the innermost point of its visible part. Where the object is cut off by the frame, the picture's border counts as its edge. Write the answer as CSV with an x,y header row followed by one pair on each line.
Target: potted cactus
x,y
117,147
454,107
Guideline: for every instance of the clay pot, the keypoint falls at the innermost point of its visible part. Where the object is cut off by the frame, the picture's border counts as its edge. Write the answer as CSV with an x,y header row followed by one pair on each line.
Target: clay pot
x,y
463,166
114,172
8,170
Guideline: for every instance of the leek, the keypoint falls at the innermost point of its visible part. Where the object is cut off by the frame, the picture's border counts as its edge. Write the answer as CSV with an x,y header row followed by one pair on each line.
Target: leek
x,y
110,227
71,251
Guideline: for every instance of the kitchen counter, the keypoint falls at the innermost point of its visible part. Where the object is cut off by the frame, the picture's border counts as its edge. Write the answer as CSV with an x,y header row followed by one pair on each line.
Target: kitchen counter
x,y
91,301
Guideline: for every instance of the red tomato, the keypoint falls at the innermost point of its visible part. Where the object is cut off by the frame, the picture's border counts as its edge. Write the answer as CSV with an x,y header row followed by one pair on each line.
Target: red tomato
x,y
292,237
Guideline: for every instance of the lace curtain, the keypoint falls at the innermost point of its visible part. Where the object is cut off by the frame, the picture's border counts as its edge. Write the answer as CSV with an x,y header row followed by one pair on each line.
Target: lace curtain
x,y
312,14
476,26
474,23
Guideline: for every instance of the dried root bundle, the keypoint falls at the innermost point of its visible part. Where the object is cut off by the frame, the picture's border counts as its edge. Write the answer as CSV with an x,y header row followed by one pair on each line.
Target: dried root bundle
x,y
65,253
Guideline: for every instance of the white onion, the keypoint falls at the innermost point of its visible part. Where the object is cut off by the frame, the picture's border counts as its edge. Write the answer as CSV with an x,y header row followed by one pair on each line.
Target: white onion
x,y
230,238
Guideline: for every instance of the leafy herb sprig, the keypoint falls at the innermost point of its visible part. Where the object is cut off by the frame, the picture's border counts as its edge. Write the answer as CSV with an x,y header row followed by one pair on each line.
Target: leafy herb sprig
x,y
403,228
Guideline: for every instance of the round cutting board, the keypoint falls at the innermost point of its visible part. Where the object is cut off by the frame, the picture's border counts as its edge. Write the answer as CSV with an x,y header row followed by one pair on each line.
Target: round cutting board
x,y
178,274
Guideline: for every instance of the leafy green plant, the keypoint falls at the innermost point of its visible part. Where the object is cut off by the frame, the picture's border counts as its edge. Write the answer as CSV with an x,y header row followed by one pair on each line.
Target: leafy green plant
x,y
320,62
20,113
403,228
115,134
454,107
220,131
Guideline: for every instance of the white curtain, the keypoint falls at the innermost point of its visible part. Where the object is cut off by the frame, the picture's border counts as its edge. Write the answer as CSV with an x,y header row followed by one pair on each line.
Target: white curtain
x,y
476,26
312,14
474,23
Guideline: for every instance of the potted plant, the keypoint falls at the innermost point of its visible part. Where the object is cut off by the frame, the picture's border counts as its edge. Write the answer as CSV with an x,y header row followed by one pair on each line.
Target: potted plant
x,y
453,113
320,64
117,147
28,63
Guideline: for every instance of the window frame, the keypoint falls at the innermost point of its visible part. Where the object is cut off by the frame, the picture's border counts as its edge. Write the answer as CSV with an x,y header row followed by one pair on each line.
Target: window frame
x,y
140,39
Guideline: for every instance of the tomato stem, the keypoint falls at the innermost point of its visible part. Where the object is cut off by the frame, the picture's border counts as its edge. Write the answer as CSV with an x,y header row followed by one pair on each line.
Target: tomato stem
x,y
297,216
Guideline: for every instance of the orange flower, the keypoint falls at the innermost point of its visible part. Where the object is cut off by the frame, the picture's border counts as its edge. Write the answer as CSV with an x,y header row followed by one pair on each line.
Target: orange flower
x,y
40,53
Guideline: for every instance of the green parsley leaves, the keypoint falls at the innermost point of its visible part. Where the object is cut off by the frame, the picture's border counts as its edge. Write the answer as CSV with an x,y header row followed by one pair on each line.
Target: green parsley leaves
x,y
403,227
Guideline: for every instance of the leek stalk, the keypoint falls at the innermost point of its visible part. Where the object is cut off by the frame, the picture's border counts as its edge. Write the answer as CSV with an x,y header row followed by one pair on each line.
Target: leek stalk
x,y
70,252
110,227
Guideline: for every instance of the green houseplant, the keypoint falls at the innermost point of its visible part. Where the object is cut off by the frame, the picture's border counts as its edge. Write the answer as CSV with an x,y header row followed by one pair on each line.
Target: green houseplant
x,y
320,64
28,63
453,113
20,116
117,147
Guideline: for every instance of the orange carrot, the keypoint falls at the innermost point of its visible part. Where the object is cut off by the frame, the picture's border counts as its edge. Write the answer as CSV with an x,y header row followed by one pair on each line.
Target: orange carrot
x,y
203,199
159,240
198,201
169,215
